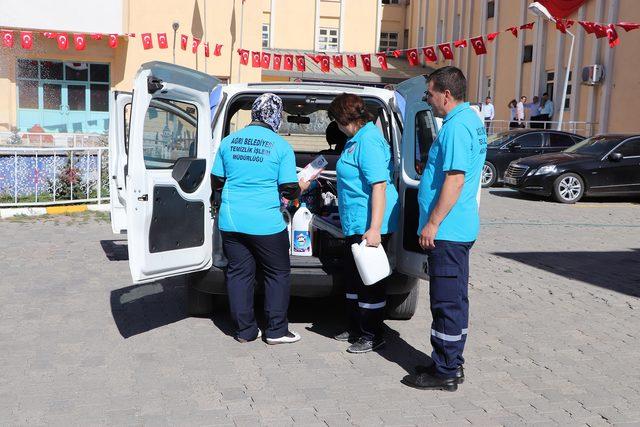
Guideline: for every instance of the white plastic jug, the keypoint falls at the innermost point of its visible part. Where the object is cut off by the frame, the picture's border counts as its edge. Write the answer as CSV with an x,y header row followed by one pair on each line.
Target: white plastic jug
x,y
301,232
372,262
287,219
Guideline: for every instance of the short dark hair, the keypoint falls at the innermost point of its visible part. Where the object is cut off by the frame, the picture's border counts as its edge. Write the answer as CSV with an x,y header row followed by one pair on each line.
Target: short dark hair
x,y
451,79
545,94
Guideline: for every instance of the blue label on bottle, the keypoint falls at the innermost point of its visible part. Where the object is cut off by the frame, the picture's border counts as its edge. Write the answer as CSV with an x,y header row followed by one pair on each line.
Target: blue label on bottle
x,y
301,241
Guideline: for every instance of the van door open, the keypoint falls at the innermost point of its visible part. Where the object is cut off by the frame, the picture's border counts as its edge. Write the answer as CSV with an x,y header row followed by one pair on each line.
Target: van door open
x,y
119,115
169,224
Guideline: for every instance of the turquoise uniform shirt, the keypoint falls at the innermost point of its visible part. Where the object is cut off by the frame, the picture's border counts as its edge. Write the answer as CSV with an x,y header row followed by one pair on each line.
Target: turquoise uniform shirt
x,y
254,161
365,160
461,145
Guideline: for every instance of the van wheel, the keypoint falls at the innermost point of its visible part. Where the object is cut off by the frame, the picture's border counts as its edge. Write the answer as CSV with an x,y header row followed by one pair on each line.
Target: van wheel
x,y
489,175
403,306
199,304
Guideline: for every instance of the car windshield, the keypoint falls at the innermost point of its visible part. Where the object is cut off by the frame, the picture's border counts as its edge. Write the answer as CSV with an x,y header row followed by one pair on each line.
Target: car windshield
x,y
595,146
498,139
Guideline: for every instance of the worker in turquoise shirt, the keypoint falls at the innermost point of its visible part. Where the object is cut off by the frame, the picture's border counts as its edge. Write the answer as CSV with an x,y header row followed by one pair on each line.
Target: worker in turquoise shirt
x,y
255,167
368,206
449,224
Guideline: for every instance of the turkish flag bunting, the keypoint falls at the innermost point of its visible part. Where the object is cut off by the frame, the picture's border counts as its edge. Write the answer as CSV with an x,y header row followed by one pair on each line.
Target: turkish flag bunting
x,y
528,26
366,61
195,44
600,30
79,41
315,58
430,54
478,45
460,43
445,48
256,60
113,41
7,38
26,39
163,43
49,35
569,23
244,56
492,36
612,35
265,60
288,62
131,34
412,57
277,61
561,26
514,31
351,60
183,41
325,63
628,26
95,36
147,41
397,53
382,60
337,61
207,52
301,64
218,50
589,27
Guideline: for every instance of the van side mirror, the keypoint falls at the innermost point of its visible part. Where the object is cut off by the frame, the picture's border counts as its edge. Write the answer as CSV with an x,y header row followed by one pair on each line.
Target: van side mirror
x,y
615,157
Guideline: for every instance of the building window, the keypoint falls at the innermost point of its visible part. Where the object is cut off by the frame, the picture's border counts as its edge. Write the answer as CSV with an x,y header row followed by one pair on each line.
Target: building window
x,y
405,42
491,9
567,101
388,41
390,1
265,35
488,86
527,55
328,40
550,85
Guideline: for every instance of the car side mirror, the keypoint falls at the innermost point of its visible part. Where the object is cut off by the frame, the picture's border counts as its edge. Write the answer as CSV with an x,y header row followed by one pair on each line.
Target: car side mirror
x,y
615,157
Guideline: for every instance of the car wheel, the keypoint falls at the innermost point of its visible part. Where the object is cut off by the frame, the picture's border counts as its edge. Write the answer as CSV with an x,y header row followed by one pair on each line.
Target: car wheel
x,y
568,188
199,304
403,306
489,175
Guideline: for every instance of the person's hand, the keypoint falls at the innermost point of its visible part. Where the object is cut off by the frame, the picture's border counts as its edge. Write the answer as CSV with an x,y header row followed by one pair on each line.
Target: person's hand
x,y
372,237
304,185
428,236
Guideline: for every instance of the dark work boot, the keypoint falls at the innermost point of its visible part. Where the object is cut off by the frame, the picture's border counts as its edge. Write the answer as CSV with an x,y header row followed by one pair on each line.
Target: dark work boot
x,y
426,381
421,369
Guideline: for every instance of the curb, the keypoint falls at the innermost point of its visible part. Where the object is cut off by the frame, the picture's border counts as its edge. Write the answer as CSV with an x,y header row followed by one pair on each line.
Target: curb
x,y
52,210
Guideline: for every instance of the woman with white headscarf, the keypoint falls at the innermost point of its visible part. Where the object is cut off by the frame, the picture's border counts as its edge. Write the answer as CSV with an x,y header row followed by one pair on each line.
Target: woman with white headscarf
x,y
255,167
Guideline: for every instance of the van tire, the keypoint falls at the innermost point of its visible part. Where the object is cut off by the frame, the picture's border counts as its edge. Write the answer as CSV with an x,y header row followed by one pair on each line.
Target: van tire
x,y
403,306
199,304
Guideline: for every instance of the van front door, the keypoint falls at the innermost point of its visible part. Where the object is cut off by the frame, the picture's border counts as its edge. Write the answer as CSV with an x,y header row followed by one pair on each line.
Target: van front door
x,y
169,224
119,115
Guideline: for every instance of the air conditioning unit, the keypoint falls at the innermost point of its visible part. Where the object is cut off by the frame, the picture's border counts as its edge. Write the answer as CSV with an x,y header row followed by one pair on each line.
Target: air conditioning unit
x,y
592,75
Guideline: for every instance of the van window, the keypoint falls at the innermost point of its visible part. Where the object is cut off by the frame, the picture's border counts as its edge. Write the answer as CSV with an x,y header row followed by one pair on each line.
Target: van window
x,y
425,136
170,132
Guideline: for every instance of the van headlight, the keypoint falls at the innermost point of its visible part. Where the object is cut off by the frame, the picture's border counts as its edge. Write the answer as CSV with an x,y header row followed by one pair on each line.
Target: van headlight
x,y
544,170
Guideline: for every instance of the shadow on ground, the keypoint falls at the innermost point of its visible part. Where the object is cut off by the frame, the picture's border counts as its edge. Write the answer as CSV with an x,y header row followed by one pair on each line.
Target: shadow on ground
x,y
616,270
514,194
115,250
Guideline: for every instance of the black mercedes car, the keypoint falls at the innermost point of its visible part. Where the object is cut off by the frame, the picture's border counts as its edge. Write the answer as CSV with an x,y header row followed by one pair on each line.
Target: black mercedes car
x,y
602,165
504,147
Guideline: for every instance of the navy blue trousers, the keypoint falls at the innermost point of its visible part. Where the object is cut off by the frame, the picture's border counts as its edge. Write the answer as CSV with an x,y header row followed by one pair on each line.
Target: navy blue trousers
x,y
449,297
271,253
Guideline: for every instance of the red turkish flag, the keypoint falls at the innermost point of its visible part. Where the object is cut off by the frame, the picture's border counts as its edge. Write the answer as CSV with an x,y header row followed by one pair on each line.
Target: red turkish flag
x,y
301,64
600,30
314,58
95,36
79,41
589,27
337,61
445,48
562,8
265,60
288,62
163,43
194,45
63,41
366,61
612,35
478,45
26,39
382,60
514,31
397,53
244,56
184,40
460,43
206,50
131,34
218,50
147,41
561,26
277,61
628,26
256,60
492,36
430,54
412,57
113,41
7,38
49,35
325,63
528,26
351,60
569,23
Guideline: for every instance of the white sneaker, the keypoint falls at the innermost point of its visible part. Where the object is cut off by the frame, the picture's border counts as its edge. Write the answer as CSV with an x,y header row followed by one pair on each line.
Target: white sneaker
x,y
289,338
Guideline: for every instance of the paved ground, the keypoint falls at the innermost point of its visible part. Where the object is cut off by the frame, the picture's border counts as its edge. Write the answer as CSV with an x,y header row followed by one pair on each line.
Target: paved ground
x,y
554,335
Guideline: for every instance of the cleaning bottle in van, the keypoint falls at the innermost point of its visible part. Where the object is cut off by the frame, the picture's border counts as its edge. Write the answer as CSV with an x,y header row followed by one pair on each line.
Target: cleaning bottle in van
x,y
287,220
301,235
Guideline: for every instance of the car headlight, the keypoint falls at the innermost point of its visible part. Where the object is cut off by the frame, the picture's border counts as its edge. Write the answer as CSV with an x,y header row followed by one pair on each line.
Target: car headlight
x,y
546,170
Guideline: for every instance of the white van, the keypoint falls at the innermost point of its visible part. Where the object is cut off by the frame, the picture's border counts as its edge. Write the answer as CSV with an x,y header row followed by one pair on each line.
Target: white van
x,y
162,142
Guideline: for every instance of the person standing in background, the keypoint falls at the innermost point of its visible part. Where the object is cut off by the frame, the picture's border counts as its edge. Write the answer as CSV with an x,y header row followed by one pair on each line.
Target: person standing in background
x,y
534,112
520,111
512,114
488,112
546,110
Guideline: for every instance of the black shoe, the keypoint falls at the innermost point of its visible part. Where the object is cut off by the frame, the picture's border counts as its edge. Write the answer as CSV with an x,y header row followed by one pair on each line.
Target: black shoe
x,y
242,340
425,381
422,369
364,345
347,337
